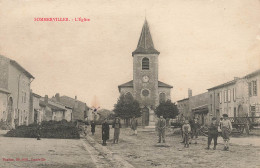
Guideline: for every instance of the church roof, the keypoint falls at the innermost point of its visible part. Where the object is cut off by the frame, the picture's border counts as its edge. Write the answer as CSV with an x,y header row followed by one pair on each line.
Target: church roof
x,y
131,84
127,84
161,84
145,43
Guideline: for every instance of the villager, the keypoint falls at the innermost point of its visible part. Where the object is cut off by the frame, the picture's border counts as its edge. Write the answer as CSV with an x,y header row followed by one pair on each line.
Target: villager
x,y
182,120
186,133
161,126
105,132
226,128
93,127
134,125
39,132
195,127
213,133
116,126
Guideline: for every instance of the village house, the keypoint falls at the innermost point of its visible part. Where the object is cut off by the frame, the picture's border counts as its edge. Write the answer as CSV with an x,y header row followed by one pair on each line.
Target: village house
x,y
36,114
15,84
237,98
79,108
53,110
198,106
183,107
194,107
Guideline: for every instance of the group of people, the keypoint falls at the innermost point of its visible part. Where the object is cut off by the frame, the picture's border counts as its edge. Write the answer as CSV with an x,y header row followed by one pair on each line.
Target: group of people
x,y
116,125
190,130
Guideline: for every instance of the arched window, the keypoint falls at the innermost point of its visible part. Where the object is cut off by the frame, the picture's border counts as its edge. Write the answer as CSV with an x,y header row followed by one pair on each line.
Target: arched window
x,y
162,97
129,97
145,64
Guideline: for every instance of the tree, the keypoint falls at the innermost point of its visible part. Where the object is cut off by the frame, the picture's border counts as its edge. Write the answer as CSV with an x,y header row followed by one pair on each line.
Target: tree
x,y
167,109
104,114
127,107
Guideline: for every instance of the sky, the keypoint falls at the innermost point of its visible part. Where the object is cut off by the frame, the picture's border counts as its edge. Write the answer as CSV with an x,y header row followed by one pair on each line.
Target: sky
x,y
202,43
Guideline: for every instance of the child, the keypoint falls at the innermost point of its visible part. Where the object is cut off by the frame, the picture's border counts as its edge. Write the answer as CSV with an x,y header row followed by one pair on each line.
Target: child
x,y
213,133
226,128
186,131
195,129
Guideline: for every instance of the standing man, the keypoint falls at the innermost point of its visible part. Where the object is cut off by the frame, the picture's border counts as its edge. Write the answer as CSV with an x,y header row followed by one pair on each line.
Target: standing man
x,y
213,133
105,132
93,127
116,126
161,126
195,129
134,125
226,128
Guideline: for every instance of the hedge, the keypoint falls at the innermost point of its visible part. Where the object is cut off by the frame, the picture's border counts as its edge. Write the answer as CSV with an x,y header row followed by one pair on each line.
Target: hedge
x,y
48,129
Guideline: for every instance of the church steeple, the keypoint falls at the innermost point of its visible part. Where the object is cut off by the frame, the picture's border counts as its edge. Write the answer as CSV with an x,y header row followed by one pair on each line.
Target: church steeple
x,y
145,43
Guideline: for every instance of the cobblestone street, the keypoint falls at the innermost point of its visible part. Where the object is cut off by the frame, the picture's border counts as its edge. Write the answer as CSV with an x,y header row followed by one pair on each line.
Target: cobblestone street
x,y
132,151
142,151
53,153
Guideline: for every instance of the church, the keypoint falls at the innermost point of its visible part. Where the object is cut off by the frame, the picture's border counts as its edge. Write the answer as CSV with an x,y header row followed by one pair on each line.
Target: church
x,y
145,86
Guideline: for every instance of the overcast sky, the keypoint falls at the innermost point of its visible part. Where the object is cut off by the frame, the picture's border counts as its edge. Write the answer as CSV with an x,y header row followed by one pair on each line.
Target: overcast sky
x,y
202,43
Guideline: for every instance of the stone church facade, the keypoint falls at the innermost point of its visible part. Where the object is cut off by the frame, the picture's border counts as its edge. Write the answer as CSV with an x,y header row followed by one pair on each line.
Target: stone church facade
x,y
145,86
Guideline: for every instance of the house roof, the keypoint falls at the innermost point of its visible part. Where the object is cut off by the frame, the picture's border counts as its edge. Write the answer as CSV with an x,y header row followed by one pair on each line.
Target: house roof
x,y
53,105
70,102
145,43
183,99
4,91
223,85
36,95
234,81
252,74
200,109
19,67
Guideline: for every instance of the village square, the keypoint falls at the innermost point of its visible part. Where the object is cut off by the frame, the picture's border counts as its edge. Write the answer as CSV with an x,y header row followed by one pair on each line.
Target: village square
x,y
145,126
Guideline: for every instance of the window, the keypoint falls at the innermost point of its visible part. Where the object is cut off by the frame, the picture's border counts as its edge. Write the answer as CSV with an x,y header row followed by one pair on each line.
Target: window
x,y
24,97
254,88
228,95
250,89
145,92
234,94
220,97
129,97
162,97
145,64
225,96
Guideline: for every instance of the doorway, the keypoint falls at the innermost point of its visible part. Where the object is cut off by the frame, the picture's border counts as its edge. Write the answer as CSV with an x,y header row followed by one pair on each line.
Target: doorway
x,y
145,116
10,111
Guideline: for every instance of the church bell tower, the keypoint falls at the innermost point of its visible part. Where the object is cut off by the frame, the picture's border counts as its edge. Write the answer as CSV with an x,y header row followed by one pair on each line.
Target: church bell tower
x,y
145,75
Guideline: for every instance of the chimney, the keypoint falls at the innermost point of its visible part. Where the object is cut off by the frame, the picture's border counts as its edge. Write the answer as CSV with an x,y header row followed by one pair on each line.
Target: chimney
x,y
46,99
57,97
189,93
75,97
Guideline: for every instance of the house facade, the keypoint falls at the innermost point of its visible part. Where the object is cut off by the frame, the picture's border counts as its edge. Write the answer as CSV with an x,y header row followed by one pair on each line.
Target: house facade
x,y
79,109
53,110
237,98
15,84
145,86
194,106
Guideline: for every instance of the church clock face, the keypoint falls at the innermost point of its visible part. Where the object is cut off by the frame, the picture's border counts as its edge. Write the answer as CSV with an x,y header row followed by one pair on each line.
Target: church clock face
x,y
145,79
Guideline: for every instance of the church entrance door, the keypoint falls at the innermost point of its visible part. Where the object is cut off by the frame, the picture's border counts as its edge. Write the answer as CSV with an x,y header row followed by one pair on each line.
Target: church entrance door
x,y
145,116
